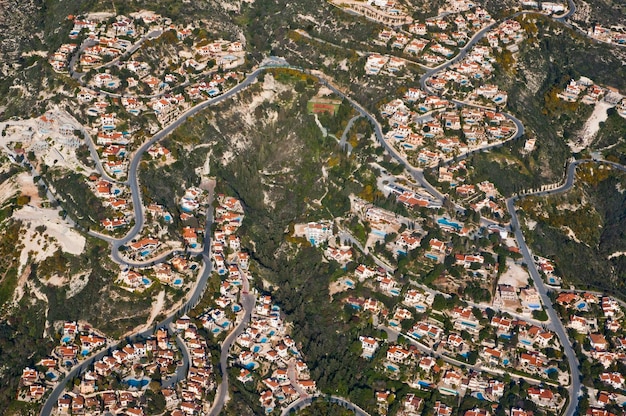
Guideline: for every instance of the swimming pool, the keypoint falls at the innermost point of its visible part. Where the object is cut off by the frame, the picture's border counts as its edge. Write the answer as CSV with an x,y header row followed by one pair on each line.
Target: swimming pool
x,y
534,306
479,395
449,223
133,382
145,253
178,281
145,281
66,339
582,305
392,367
236,308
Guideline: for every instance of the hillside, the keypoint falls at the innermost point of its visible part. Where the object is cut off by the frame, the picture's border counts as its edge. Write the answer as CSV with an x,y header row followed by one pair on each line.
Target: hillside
x,y
545,63
582,230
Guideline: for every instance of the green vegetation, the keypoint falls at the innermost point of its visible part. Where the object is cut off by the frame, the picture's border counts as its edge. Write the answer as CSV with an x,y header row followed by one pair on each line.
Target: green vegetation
x,y
545,64
323,408
597,223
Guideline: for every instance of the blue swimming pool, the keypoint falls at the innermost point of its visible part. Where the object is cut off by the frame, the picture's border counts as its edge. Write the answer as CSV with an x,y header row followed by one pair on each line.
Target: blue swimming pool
x,y
582,305
505,361
132,382
145,253
66,339
392,367
167,218
479,395
449,223
256,348
145,281
236,308
178,281
534,306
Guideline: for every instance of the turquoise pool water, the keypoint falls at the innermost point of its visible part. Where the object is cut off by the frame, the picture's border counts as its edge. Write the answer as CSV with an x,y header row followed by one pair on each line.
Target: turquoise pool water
x,y
444,221
132,382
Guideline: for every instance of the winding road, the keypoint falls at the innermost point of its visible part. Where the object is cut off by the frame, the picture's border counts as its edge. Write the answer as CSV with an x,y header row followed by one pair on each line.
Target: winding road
x,y
575,385
248,299
197,293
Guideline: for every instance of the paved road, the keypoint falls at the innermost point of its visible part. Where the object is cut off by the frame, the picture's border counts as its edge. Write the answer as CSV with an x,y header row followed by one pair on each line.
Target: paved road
x,y
344,136
574,387
417,174
133,179
196,295
303,402
557,325
346,236
478,367
247,301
